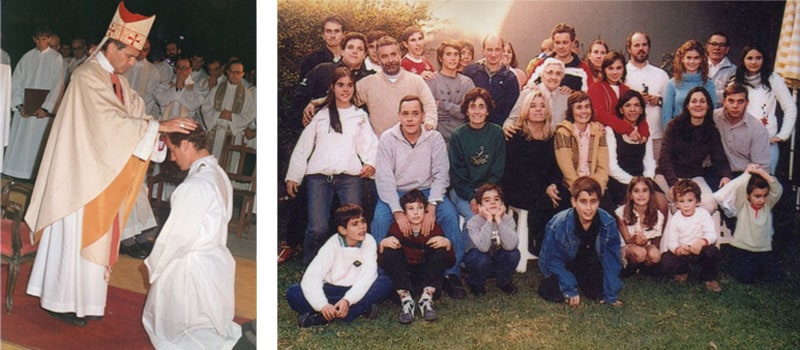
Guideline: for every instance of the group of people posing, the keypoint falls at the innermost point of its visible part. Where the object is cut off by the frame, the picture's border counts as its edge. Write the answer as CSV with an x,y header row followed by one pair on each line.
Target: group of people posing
x,y
612,161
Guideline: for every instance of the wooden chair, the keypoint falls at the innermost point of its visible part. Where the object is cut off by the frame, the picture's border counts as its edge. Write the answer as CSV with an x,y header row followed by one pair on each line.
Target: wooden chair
x,y
239,162
16,240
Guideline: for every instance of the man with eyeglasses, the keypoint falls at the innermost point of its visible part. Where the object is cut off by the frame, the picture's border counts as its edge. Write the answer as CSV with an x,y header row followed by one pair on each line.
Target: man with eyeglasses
x,y
228,109
79,55
178,97
720,68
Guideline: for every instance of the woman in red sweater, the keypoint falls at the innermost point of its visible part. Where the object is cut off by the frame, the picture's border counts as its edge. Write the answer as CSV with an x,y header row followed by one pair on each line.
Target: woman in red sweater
x,y
605,94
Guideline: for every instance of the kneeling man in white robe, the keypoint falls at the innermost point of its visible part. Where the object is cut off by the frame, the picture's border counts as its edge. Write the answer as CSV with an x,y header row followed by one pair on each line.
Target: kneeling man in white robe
x,y
190,304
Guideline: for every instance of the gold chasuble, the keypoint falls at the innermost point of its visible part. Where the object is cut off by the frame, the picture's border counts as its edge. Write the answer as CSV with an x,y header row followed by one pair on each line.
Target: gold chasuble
x,y
89,161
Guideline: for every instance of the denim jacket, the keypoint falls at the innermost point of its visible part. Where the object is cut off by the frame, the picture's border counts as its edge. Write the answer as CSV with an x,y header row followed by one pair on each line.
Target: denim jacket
x,y
561,244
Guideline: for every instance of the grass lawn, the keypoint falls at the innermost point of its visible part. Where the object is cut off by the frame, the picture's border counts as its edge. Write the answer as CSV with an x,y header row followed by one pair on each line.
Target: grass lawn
x,y
657,314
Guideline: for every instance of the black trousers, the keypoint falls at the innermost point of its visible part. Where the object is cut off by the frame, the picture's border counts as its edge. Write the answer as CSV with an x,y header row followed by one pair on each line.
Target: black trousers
x,y
414,278
708,260
589,274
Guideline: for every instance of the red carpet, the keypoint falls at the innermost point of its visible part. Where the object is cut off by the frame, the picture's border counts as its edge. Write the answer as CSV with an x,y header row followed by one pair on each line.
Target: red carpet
x,y
29,325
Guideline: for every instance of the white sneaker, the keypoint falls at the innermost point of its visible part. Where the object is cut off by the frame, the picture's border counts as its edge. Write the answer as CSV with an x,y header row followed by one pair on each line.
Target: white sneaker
x,y
426,309
407,314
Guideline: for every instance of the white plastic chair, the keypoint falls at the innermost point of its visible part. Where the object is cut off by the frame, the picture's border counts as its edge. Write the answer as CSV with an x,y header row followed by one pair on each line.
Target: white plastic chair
x,y
522,233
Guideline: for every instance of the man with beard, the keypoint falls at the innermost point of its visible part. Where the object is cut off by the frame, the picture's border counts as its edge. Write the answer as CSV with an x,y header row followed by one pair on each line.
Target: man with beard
x,y
649,80
383,91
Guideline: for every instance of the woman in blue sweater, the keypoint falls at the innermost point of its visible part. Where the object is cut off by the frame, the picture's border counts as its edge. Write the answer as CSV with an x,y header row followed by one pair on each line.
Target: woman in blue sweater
x,y
689,69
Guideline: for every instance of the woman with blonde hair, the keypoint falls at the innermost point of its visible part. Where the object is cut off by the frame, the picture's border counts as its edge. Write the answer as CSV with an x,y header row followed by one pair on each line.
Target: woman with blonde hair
x,y
538,188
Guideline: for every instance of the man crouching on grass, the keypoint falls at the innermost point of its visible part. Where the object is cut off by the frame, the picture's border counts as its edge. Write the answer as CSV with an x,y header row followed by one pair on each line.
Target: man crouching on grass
x,y
580,253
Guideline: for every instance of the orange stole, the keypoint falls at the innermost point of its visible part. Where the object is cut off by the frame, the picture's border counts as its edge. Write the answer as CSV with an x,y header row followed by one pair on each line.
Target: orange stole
x,y
101,216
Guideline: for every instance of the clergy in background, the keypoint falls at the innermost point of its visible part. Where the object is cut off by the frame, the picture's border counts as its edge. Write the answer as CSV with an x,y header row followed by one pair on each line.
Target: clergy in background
x,y
92,168
228,109
39,75
191,300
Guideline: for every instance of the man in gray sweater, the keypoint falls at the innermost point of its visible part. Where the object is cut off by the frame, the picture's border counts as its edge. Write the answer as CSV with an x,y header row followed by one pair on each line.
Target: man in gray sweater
x,y
412,157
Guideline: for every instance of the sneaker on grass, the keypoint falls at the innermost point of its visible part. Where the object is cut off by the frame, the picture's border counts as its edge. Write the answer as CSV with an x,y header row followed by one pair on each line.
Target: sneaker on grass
x,y
311,319
426,309
407,314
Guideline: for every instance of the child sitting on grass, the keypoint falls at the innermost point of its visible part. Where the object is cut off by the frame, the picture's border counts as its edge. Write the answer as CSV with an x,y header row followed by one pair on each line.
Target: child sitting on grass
x,y
750,253
640,224
492,244
342,280
416,262
689,238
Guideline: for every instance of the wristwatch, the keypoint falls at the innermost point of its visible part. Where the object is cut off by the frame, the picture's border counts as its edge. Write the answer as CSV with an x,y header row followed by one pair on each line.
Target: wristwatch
x,y
660,101
434,203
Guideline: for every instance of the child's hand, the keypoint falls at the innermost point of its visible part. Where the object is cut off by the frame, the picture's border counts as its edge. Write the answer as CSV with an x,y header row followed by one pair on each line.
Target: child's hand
x,y
682,251
484,213
639,238
498,217
342,308
573,301
328,311
439,242
390,242
697,246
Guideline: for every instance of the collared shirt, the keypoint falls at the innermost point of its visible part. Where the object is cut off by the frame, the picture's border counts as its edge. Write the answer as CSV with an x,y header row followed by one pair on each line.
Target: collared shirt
x,y
744,142
721,75
583,150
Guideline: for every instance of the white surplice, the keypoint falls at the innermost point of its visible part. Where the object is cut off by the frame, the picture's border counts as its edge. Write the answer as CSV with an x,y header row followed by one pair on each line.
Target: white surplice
x,y
219,127
190,304
145,78
36,70
5,101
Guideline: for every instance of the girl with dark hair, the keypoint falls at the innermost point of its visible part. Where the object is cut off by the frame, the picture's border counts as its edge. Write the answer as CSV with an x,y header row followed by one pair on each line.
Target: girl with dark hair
x,y
510,61
765,90
334,153
689,139
689,69
640,223
605,94
594,58
626,157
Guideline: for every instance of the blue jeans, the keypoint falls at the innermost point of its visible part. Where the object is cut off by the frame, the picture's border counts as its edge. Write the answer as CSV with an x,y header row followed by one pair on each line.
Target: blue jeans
x,y
480,265
446,217
320,190
774,153
462,206
375,295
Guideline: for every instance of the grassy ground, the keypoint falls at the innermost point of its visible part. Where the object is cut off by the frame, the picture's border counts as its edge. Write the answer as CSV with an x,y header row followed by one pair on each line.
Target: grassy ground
x,y
657,314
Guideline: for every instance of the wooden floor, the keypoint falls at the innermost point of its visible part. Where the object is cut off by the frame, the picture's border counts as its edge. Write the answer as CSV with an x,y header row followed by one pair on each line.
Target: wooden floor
x,y
130,274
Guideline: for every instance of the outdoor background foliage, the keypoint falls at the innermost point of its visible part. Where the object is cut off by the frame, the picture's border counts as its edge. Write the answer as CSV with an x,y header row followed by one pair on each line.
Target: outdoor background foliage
x,y
299,35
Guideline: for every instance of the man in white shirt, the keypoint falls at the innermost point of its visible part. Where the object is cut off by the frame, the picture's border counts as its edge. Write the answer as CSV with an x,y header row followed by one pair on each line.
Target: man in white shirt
x,y
190,256
228,109
145,78
171,52
720,68
650,81
39,71
178,97
198,73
